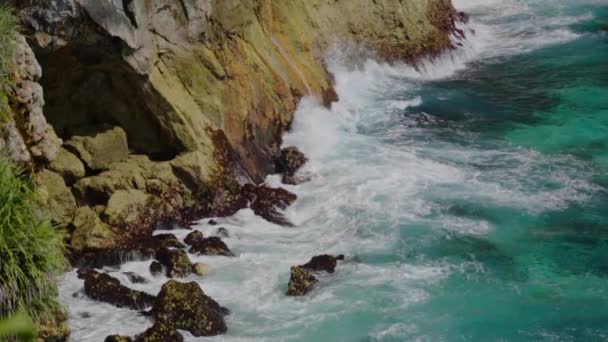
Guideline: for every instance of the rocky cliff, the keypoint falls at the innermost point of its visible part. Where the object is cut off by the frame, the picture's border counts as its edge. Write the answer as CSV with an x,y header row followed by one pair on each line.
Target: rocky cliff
x,y
157,108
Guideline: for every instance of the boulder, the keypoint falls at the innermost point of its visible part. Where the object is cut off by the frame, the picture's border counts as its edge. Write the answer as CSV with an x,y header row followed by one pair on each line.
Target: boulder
x,y
160,332
185,306
301,281
222,232
125,207
176,261
56,198
266,202
89,232
210,246
323,262
156,268
160,241
68,166
99,147
288,163
103,287
194,237
135,278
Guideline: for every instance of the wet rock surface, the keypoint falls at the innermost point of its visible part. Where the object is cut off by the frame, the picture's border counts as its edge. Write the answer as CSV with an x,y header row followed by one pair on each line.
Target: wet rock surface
x,y
103,287
118,338
156,268
160,332
176,262
185,306
288,163
323,262
267,202
210,246
301,281
135,278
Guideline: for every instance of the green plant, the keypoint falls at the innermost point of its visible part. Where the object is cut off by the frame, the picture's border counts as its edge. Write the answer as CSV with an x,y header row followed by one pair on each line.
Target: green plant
x,y
31,249
19,325
8,27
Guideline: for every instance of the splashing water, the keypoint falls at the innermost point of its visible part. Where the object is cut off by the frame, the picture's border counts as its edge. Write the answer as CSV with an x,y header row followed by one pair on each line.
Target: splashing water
x,y
469,194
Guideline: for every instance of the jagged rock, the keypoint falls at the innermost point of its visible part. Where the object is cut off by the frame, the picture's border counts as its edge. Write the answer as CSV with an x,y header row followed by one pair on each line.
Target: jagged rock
x,y
185,306
222,232
156,268
125,207
160,332
103,287
135,278
89,232
289,162
266,201
68,166
323,262
301,281
210,246
99,147
56,198
176,261
194,237
118,338
200,269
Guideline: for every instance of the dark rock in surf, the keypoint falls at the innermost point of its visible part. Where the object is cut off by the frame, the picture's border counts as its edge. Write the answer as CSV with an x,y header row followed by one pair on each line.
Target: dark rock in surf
x,y
222,232
160,332
176,261
323,262
118,338
194,238
135,278
103,287
159,241
156,268
288,163
185,306
266,202
301,281
210,246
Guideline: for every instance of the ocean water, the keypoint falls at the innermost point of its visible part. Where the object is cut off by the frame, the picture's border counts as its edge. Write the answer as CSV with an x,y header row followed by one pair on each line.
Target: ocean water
x,y
469,194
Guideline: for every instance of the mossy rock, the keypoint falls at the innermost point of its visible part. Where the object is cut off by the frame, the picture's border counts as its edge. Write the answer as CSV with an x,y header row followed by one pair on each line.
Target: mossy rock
x,y
185,306
160,332
103,287
68,166
125,206
176,261
57,200
89,232
301,281
118,338
100,147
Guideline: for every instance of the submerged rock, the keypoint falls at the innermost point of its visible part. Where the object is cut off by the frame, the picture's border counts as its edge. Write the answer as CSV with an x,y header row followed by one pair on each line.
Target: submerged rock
x,y
301,281
185,306
176,261
289,162
135,278
160,332
200,269
103,287
210,246
266,202
222,232
118,338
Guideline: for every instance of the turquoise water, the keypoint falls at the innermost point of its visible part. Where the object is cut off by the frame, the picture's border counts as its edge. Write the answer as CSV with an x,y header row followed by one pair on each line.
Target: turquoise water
x,y
470,195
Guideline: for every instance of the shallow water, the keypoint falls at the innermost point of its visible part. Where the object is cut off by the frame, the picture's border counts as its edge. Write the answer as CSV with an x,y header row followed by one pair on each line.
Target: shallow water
x,y
470,195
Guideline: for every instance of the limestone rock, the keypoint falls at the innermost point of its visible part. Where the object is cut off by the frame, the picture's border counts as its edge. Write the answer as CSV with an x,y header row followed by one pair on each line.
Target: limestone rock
x,y
58,202
68,166
160,332
185,306
125,207
103,287
89,232
301,281
176,261
100,147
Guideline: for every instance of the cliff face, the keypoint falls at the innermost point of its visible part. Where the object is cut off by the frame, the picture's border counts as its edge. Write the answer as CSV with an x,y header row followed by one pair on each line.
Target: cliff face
x,y
188,99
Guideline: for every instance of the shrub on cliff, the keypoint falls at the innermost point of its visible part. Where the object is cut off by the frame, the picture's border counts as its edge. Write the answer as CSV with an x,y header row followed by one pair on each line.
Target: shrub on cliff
x,y
8,27
31,250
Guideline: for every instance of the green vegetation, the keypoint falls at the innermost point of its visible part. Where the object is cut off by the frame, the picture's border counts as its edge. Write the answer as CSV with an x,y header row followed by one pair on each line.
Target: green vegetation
x,y
19,325
31,250
8,26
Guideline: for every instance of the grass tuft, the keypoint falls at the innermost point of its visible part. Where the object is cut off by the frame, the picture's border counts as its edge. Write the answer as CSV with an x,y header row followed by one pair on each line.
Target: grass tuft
x,y
31,249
